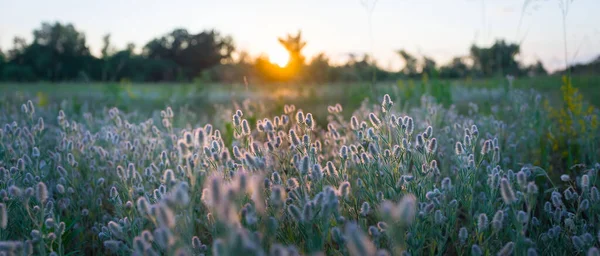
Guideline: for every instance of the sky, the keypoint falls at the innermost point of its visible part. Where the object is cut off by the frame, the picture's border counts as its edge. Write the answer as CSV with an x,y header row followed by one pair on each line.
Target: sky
x,y
437,28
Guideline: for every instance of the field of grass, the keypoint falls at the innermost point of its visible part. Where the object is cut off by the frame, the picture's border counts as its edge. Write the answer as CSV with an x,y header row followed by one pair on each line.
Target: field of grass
x,y
588,85
407,168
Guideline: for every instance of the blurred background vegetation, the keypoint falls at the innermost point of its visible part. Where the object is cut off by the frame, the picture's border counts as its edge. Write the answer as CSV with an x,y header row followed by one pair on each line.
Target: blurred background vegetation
x,y
60,53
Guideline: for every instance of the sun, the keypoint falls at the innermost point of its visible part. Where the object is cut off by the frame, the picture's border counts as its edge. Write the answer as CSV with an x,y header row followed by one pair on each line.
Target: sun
x,y
279,56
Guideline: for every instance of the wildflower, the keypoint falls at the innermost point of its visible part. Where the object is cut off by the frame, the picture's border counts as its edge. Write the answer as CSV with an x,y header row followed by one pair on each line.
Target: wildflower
x,y
306,140
522,217
112,245
373,231
578,243
343,152
21,164
354,123
496,155
556,201
115,229
197,244
507,249
358,243
163,237
181,196
463,235
245,127
487,146
344,189
595,194
277,195
35,152
405,144
432,147
410,126
331,169
497,220
309,121
532,189
40,123
585,182
531,252
474,131
276,178
507,192
375,120
387,103
439,217
250,160
588,238
370,133
467,140
307,211
292,183
458,148
304,167
522,179
3,216
365,208
482,222
300,117
294,140
373,149
294,211
476,250
164,215
565,177
41,192
446,182
406,209
317,172
593,252
584,205
60,188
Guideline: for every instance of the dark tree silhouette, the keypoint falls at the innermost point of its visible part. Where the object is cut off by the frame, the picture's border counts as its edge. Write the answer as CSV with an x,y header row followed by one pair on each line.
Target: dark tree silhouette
x,y
410,63
499,59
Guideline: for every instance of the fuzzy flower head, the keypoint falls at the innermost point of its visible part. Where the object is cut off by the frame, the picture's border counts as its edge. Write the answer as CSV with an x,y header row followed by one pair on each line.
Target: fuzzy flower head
x,y
387,103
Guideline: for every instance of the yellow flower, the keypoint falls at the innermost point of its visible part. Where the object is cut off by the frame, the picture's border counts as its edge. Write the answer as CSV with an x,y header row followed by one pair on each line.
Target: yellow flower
x,y
42,99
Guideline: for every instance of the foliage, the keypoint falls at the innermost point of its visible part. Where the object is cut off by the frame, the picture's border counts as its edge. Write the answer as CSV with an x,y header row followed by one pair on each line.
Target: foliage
x,y
395,177
577,130
499,59
59,52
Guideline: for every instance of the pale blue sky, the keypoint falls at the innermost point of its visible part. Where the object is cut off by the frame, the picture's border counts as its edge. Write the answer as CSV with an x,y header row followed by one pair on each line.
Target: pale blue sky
x,y
437,28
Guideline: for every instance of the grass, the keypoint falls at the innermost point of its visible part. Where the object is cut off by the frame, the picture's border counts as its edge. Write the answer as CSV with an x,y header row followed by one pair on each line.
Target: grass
x,y
435,169
588,85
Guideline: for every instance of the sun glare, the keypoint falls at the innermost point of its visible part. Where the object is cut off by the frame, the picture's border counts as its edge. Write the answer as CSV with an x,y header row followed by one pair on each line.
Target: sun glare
x,y
279,56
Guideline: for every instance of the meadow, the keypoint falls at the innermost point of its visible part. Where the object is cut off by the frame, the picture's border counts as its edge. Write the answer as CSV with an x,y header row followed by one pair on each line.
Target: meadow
x,y
495,167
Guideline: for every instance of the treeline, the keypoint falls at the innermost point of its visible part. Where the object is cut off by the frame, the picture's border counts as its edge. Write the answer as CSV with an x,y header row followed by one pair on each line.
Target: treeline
x,y
59,52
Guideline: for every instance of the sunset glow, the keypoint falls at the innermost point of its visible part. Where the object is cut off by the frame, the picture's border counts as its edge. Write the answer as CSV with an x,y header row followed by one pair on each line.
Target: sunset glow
x,y
279,56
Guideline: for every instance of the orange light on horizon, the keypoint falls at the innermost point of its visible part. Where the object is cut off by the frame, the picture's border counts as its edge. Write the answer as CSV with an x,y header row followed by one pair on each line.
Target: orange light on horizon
x,y
279,56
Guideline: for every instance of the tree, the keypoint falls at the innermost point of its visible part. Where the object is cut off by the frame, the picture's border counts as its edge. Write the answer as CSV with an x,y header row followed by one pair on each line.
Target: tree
x,y
294,45
429,67
58,52
536,69
457,68
499,59
318,70
192,53
106,52
410,63
2,64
